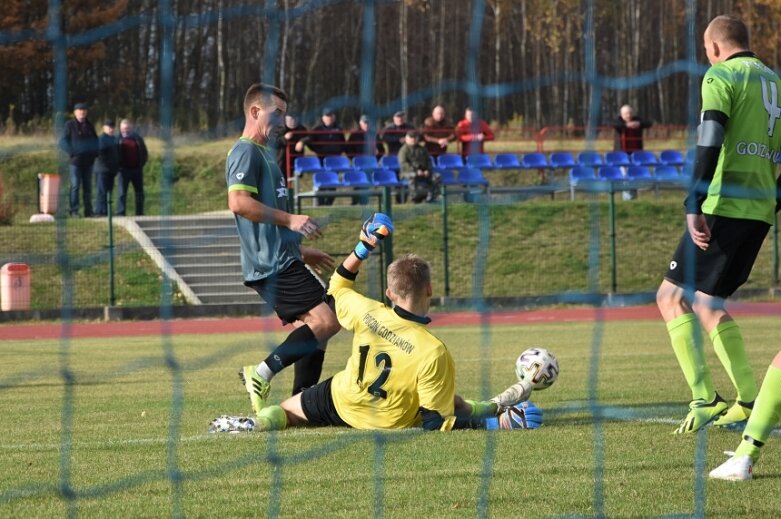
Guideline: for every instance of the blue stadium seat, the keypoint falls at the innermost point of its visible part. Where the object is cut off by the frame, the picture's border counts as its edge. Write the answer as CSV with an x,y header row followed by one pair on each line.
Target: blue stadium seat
x,y
472,177
326,180
671,158
638,173
479,160
447,176
450,160
617,158
535,161
303,165
356,178
644,158
385,177
365,162
562,160
667,173
507,161
390,162
610,173
592,159
337,163
579,173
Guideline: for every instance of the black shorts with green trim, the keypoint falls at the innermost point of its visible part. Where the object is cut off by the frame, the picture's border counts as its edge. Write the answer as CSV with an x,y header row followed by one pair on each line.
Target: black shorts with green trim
x,y
721,269
292,292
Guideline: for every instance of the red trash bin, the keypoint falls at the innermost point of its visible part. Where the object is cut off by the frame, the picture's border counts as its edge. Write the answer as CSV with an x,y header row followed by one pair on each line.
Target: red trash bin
x,y
14,287
49,192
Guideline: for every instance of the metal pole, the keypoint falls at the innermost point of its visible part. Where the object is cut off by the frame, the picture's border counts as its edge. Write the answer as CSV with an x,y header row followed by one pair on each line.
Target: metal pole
x,y
613,267
445,245
111,294
387,243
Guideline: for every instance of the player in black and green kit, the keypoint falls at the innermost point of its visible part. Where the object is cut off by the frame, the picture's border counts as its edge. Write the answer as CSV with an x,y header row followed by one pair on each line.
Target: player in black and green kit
x,y
272,258
729,209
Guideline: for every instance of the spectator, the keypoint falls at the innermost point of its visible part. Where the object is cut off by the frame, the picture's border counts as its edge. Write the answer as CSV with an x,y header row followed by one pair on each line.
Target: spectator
x,y
327,138
80,142
361,142
106,166
415,165
629,137
132,158
472,132
290,145
393,133
437,132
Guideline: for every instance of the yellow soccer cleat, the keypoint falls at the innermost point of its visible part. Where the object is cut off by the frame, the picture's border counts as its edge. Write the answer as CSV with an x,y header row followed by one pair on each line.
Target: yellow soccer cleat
x,y
257,387
701,413
735,415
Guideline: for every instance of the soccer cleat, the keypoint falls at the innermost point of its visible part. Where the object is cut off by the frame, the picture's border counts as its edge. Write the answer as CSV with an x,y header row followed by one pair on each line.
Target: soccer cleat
x,y
513,395
701,413
257,387
736,468
231,424
736,416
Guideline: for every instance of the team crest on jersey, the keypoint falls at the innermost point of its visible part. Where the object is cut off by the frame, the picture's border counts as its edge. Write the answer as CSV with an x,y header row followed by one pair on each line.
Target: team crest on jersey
x,y
282,190
240,175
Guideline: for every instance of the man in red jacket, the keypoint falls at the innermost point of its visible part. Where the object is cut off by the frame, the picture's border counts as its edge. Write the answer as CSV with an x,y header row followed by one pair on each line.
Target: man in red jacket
x,y
472,132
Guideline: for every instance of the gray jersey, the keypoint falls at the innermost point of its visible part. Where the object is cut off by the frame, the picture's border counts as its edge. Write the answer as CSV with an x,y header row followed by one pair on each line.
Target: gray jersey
x,y
266,249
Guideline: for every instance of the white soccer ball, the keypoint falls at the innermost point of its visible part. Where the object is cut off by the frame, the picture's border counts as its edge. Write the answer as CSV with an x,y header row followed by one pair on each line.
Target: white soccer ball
x,y
539,366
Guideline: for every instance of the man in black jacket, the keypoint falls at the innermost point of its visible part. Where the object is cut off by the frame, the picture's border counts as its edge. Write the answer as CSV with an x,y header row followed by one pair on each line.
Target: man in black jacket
x,y
132,158
80,142
106,166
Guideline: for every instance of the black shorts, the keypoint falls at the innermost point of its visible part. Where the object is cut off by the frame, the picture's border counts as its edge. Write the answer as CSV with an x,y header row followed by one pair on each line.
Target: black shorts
x,y
318,406
292,292
726,265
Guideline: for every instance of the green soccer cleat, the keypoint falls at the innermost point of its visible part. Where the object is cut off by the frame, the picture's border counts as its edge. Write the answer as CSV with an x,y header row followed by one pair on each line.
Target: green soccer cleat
x,y
701,413
257,387
736,416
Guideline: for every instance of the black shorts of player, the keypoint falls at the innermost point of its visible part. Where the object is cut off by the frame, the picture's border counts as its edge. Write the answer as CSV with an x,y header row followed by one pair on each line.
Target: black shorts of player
x,y
726,265
318,406
292,292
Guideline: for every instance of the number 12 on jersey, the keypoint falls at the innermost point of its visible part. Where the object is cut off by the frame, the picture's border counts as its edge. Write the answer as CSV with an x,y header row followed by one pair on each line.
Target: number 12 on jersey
x,y
380,359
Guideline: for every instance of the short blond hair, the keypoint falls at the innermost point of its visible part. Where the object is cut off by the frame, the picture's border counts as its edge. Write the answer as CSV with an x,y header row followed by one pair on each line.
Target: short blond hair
x,y
730,30
409,276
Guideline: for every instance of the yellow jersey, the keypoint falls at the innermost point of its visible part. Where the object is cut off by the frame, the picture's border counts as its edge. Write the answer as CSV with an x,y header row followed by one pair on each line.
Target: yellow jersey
x,y
396,365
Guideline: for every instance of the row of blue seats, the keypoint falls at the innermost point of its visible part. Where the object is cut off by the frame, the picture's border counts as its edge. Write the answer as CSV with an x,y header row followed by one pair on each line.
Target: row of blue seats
x,y
660,173
556,160
380,177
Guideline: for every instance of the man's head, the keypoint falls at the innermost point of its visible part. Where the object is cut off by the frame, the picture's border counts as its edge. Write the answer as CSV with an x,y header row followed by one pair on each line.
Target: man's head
x,y
724,36
328,117
409,279
398,118
626,113
80,111
125,127
411,138
438,113
108,127
363,123
291,121
470,115
264,110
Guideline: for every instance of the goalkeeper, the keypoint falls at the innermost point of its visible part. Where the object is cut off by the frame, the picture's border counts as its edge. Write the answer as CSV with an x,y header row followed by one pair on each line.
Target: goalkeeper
x,y
398,375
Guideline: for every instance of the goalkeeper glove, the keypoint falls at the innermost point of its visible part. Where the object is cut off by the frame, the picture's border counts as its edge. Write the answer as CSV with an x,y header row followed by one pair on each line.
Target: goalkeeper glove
x,y
374,230
525,415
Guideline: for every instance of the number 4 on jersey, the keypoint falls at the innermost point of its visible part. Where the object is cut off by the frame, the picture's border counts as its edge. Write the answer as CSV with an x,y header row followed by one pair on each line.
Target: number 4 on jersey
x,y
770,97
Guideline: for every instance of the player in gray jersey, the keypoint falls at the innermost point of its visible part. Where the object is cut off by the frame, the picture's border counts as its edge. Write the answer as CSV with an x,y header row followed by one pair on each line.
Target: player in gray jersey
x,y
273,260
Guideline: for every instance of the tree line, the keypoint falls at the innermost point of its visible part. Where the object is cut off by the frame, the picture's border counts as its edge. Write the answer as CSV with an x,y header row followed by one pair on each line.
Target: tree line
x,y
519,62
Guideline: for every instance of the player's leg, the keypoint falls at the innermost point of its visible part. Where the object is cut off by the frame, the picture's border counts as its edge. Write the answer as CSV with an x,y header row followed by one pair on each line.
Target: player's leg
x,y
766,413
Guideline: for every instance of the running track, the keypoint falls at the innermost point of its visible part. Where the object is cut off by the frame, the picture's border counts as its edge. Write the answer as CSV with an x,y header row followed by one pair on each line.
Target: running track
x,y
267,324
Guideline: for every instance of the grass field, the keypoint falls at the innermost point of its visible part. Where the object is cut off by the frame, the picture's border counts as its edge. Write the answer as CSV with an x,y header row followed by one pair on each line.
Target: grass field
x,y
128,436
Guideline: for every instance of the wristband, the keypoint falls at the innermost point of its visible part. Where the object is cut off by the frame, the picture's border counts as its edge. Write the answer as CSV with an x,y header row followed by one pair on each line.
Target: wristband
x,y
362,251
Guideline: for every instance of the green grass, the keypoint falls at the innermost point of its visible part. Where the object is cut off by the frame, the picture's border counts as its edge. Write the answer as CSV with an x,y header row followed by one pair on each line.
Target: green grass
x,y
115,452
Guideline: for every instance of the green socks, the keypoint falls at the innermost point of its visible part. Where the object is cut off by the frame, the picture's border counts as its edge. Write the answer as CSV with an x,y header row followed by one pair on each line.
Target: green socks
x,y
271,418
764,416
686,340
728,343
481,409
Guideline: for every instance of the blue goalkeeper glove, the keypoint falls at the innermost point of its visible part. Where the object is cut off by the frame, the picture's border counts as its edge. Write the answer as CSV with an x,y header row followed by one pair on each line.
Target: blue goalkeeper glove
x,y
525,415
374,230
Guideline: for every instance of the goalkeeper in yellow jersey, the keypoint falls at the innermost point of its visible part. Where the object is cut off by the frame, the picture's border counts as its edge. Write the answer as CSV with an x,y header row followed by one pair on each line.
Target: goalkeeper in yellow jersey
x,y
398,375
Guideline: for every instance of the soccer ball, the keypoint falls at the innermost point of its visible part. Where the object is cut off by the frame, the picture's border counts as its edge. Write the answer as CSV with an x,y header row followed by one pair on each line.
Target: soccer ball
x,y
539,365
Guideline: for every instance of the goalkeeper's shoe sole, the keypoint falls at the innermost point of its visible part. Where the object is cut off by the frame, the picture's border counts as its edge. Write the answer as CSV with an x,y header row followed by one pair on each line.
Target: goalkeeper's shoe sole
x,y
257,387
513,395
737,468
736,416
701,413
232,424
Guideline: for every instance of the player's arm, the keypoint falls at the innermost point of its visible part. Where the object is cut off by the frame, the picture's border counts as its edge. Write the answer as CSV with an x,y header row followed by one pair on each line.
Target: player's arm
x,y
244,204
488,133
709,142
